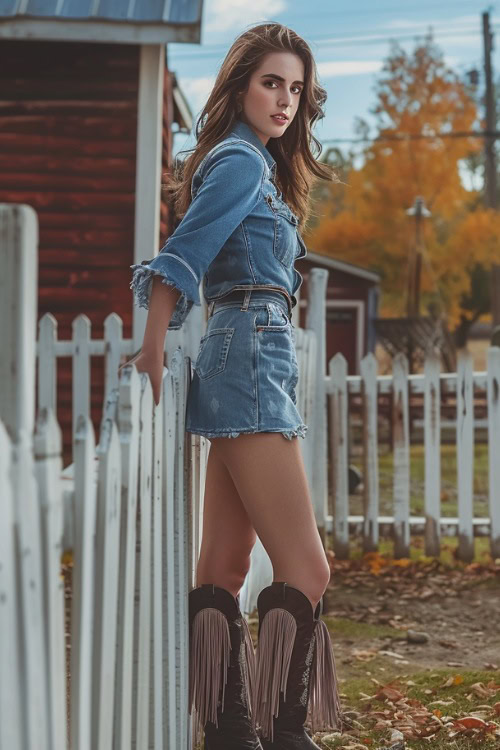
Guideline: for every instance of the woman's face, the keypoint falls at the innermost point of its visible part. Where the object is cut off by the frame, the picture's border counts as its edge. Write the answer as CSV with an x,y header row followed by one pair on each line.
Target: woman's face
x,y
274,88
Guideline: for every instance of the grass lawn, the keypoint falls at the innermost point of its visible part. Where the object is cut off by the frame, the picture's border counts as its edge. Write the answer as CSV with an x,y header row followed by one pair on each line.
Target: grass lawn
x,y
417,481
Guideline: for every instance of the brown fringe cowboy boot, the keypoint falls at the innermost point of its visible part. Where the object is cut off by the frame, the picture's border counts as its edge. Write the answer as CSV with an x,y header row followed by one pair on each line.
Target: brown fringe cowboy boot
x,y
221,670
295,666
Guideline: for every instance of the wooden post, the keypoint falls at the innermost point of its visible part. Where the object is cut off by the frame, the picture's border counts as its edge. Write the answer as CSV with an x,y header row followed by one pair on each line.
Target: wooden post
x,y
339,455
18,313
401,458
316,319
370,452
465,456
493,443
148,165
432,443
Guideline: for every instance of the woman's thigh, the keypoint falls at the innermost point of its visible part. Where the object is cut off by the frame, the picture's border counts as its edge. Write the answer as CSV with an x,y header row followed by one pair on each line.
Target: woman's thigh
x,y
269,476
228,534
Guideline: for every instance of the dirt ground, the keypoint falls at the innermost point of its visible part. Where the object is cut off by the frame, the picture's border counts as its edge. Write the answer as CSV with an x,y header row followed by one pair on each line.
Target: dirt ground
x,y
377,602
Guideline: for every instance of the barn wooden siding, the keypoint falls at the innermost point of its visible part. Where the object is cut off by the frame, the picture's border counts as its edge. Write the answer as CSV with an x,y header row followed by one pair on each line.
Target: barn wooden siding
x,y
68,125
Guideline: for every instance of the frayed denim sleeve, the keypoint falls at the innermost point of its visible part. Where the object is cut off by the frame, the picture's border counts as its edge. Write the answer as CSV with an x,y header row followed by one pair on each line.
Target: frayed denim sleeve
x,y
141,284
232,180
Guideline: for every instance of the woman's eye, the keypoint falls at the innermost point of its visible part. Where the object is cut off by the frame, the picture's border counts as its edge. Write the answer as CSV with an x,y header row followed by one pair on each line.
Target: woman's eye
x,y
298,88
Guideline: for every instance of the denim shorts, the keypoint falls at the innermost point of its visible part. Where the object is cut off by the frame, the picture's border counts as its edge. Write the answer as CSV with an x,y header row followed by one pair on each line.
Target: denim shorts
x,y
246,370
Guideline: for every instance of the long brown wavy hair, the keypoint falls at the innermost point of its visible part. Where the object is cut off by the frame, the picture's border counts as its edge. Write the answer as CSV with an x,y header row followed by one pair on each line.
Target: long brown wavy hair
x,y
296,164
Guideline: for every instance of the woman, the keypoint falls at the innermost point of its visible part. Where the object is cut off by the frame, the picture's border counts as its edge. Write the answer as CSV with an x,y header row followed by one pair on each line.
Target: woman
x,y
243,191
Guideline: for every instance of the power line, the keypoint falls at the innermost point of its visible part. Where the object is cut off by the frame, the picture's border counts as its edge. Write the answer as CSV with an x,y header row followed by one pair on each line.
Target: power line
x,y
219,50
415,136
393,9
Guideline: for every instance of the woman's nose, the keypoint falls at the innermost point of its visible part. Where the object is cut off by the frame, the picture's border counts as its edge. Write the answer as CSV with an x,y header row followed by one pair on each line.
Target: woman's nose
x,y
285,100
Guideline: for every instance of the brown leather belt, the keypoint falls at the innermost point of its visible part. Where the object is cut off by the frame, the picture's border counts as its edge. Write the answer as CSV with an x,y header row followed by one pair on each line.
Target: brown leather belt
x,y
241,292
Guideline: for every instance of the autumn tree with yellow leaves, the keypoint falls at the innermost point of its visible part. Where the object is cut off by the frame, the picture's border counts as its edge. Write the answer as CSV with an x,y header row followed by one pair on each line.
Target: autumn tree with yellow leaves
x,y
423,112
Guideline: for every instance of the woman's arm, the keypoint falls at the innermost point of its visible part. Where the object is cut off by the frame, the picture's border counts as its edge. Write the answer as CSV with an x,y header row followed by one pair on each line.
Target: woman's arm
x,y
161,307
231,185
150,356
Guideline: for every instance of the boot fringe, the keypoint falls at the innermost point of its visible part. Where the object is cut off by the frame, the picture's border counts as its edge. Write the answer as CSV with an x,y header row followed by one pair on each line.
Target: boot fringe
x,y
324,711
210,649
251,669
273,656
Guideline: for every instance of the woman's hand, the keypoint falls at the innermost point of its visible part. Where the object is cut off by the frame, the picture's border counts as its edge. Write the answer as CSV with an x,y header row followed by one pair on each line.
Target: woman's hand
x,y
153,365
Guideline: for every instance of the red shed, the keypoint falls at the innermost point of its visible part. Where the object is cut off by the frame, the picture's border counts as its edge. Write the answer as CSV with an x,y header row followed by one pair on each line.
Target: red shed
x,y
86,116
351,307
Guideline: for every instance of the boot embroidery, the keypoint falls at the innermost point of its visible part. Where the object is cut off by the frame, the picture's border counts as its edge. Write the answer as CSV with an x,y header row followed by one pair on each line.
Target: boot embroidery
x,y
305,676
244,673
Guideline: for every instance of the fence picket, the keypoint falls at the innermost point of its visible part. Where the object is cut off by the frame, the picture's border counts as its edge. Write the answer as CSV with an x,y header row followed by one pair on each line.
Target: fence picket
x,y
177,366
171,729
129,428
106,585
48,447
81,368
143,594
432,444
339,455
493,443
400,426
34,660
47,363
113,338
368,369
156,733
465,456
82,609
11,703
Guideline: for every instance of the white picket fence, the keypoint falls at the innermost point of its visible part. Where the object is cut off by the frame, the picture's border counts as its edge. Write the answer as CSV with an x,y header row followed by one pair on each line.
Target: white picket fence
x,y
129,510
430,385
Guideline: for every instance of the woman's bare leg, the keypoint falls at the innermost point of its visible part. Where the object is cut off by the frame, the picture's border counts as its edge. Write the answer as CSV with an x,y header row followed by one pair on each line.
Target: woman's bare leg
x,y
228,535
271,494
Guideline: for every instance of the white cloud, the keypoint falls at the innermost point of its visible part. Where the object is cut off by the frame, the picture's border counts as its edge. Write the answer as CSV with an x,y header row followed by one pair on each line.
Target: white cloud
x,y
445,23
196,91
227,14
348,67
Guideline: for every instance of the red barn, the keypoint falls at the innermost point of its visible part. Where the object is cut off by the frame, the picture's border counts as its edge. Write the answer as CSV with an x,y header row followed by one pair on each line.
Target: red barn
x,y
86,115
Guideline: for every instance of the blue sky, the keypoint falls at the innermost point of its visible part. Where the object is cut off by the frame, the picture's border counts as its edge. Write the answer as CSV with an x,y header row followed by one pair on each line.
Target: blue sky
x,y
349,41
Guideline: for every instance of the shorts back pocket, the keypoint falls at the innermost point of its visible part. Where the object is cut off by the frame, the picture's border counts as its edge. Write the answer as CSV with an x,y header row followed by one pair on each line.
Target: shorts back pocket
x,y
212,352
272,317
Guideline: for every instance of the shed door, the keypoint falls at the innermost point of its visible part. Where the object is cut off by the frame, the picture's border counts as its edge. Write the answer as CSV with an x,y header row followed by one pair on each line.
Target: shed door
x,y
342,335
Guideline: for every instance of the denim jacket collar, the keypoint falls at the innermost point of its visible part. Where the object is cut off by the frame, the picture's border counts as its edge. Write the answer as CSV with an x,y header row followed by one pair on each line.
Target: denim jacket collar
x,y
244,131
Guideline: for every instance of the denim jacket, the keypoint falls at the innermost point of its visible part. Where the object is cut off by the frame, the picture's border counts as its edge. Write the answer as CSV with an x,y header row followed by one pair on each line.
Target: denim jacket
x,y
236,233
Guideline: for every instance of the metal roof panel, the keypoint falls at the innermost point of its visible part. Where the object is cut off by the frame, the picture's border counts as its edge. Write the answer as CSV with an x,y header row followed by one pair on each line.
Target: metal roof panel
x,y
132,11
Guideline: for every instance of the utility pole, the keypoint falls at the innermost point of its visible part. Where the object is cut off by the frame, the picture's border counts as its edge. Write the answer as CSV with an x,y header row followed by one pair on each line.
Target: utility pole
x,y
419,211
490,171
490,168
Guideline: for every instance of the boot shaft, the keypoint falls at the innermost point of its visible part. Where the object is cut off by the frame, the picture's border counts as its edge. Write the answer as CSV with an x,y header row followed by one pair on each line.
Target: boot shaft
x,y
221,670
296,678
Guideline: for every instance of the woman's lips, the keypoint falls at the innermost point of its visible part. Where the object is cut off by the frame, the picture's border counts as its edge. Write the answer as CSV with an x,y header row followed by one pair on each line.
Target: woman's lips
x,y
279,120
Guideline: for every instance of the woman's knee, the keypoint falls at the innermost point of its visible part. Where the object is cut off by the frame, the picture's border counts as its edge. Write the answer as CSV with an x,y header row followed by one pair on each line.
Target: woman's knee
x,y
311,580
321,579
224,568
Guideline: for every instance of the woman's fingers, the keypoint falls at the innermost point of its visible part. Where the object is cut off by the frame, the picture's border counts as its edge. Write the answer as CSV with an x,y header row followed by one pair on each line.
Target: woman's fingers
x,y
154,368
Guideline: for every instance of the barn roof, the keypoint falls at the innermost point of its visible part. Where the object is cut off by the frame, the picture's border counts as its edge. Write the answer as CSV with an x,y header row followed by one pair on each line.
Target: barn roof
x,y
132,21
343,266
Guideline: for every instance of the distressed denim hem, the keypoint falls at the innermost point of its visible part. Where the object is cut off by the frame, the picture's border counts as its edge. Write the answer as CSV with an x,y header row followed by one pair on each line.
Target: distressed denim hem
x,y
142,279
300,431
